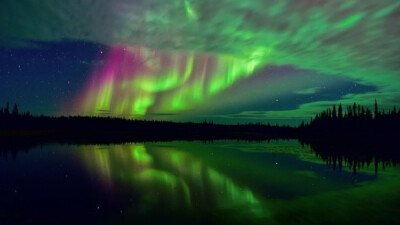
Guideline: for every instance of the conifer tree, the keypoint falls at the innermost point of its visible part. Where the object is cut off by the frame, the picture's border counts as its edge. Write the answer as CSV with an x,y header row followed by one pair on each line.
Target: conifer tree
x,y
7,109
340,112
334,112
15,110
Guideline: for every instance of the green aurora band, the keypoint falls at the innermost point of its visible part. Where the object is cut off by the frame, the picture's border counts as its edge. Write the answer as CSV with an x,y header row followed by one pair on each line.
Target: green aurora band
x,y
355,39
136,80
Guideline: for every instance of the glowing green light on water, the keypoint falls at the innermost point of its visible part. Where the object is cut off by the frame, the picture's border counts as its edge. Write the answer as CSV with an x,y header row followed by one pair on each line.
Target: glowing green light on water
x,y
103,160
184,177
175,174
230,191
140,155
168,179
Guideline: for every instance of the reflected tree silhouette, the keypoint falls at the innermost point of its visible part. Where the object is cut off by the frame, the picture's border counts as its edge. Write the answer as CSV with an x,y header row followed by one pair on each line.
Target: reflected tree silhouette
x,y
354,139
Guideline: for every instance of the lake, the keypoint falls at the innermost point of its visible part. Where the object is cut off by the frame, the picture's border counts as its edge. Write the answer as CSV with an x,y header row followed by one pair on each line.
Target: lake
x,y
221,182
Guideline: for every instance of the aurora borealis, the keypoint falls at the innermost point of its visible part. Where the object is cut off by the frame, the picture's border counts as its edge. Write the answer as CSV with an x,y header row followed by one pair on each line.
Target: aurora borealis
x,y
190,60
134,80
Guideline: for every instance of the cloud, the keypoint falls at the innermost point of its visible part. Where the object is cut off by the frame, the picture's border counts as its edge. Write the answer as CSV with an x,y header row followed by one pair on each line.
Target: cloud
x,y
338,37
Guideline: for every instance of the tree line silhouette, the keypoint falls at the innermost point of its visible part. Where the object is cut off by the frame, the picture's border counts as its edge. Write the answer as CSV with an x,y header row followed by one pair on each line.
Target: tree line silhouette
x,y
6,112
111,129
356,155
353,137
335,122
357,121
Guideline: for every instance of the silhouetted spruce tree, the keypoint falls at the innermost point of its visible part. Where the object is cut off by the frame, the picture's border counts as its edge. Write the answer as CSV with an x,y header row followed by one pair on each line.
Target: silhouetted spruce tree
x,y
349,112
7,109
334,112
376,112
340,112
15,110
363,112
368,114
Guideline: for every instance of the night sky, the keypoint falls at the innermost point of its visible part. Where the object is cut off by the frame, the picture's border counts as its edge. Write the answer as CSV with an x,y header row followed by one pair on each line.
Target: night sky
x,y
189,60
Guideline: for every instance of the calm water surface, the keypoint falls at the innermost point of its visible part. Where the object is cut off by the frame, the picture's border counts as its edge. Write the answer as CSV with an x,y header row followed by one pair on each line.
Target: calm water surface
x,y
225,182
